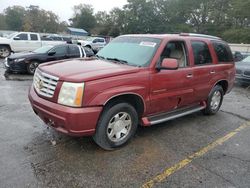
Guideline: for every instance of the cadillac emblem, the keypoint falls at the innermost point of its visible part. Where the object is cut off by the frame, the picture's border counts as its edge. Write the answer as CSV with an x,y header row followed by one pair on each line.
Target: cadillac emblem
x,y
40,84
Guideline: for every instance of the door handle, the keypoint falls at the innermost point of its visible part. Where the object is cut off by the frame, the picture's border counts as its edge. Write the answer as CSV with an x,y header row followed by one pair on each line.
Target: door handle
x,y
212,72
189,75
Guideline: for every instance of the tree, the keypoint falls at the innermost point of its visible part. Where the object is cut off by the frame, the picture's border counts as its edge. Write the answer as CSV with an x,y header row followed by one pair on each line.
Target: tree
x,y
2,22
83,17
14,17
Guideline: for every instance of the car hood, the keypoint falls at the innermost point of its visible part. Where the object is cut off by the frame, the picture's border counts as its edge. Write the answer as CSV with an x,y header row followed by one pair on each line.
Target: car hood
x,y
242,65
22,55
4,40
80,70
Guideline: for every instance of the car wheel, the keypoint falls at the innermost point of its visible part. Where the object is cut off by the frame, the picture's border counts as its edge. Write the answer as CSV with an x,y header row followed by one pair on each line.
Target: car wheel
x,y
31,67
117,124
4,51
214,100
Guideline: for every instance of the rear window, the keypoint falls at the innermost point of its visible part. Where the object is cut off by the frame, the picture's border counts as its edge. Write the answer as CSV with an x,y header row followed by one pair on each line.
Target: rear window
x,y
33,37
223,52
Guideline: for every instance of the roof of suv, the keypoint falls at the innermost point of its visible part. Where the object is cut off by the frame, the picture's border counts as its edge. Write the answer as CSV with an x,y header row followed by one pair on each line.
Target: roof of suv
x,y
180,35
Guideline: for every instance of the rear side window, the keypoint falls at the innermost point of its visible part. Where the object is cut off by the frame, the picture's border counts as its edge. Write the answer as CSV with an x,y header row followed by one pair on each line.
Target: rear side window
x,y
74,50
201,53
33,37
223,52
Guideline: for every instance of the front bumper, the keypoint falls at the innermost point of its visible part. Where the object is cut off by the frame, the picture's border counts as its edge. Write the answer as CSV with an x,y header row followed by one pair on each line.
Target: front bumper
x,y
68,120
20,67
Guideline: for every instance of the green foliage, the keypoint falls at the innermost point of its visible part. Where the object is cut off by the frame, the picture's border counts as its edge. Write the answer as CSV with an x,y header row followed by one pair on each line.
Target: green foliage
x,y
229,19
83,17
30,19
14,17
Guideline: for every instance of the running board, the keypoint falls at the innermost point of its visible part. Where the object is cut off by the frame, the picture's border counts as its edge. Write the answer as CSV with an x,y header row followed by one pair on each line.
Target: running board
x,y
174,114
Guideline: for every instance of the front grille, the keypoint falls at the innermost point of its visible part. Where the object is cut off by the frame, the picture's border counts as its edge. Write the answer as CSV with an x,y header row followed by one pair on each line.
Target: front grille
x,y
247,73
44,83
238,71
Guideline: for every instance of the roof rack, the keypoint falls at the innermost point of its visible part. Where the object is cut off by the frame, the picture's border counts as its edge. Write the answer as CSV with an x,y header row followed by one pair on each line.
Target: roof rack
x,y
199,35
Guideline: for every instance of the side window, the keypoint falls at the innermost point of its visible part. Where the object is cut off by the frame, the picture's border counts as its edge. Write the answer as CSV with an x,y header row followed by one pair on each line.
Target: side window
x,y
74,50
201,53
23,36
95,41
33,37
223,52
175,50
61,50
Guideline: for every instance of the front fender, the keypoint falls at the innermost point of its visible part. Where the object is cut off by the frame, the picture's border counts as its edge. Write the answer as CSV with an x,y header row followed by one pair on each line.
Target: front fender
x,y
102,98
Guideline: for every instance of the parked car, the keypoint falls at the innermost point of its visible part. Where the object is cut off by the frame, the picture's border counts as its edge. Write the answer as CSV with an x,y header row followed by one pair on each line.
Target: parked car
x,y
56,37
28,61
94,43
135,79
23,41
243,71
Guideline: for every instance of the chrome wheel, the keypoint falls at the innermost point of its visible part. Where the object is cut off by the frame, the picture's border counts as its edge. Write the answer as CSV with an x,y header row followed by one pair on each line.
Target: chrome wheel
x,y
119,126
216,99
4,51
32,67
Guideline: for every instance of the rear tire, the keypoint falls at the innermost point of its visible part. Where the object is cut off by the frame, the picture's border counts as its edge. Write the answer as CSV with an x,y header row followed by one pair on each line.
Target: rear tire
x,y
214,100
116,126
4,51
31,67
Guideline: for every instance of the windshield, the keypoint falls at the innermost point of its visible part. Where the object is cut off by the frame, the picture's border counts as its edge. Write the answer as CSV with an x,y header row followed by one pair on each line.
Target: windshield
x,y
11,35
136,51
43,49
246,60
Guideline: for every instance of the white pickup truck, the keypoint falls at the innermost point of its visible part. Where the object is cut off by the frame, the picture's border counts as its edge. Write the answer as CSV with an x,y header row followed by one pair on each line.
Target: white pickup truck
x,y
23,41
94,43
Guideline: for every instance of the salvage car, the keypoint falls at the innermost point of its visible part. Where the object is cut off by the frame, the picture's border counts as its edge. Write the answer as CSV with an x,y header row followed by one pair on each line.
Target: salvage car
x,y
243,71
28,61
135,79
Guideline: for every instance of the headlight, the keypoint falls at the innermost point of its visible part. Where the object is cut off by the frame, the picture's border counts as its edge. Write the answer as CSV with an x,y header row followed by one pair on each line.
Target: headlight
x,y
71,94
18,60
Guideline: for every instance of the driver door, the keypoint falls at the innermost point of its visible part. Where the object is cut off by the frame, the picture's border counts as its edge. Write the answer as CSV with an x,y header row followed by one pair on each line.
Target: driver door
x,y
60,52
172,89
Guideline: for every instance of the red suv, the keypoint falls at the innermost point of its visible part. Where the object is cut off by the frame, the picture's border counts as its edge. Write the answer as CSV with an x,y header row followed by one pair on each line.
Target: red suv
x,y
135,79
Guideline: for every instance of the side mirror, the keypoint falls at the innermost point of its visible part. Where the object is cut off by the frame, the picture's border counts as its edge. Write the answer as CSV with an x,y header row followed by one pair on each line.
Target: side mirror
x,y
168,64
51,53
16,38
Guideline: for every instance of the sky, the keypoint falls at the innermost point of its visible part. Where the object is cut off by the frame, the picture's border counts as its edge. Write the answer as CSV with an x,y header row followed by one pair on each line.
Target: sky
x,y
64,8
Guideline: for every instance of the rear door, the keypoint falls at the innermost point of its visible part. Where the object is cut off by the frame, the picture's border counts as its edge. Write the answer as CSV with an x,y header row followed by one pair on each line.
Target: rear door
x,y
203,69
34,42
172,89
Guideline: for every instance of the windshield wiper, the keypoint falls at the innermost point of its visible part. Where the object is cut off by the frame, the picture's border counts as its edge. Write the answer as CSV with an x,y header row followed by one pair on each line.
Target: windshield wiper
x,y
117,60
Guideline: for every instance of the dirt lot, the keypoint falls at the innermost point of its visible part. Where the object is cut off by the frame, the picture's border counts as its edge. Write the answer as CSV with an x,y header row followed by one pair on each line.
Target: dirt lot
x,y
193,151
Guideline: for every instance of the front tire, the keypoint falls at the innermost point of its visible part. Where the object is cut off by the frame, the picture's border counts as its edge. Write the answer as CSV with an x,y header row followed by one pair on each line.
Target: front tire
x,y
214,100
116,126
31,67
4,51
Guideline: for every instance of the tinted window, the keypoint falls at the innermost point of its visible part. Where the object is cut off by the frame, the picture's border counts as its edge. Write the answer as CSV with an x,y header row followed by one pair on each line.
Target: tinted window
x,y
89,52
56,38
201,53
74,50
223,52
33,37
23,36
60,50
